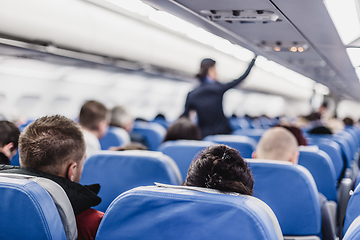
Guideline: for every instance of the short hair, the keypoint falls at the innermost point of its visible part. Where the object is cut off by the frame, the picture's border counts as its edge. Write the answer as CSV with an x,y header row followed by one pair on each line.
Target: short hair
x,y
183,128
301,140
49,142
92,113
9,133
120,117
348,121
221,167
276,144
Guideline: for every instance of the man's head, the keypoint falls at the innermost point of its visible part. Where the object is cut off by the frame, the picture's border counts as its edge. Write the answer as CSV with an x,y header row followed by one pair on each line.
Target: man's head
x,y
53,145
277,144
9,138
94,117
121,117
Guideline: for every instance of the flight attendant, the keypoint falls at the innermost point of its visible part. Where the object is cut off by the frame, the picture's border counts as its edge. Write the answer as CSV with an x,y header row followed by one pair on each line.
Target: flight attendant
x,y
207,99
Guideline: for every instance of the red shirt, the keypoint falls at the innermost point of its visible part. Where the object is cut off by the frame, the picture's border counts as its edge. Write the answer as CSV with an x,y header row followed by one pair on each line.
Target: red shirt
x,y
87,223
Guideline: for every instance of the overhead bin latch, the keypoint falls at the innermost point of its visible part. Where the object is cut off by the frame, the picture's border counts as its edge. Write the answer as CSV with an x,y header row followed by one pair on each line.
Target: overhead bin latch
x,y
242,16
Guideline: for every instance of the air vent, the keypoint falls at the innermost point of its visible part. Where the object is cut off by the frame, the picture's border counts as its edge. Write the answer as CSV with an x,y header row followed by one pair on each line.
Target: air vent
x,y
242,16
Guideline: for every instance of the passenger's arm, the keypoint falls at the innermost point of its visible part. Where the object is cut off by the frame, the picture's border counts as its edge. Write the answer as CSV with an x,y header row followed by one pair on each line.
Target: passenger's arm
x,y
232,84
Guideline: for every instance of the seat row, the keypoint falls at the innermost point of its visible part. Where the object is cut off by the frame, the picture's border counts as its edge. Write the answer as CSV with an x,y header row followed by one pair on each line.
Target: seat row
x,y
278,184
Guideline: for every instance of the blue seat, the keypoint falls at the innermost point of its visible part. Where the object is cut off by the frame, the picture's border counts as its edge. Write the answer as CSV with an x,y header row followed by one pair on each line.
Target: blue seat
x,y
183,152
353,209
15,160
290,191
345,148
28,212
152,132
117,172
334,151
245,145
112,138
353,233
322,169
253,133
159,213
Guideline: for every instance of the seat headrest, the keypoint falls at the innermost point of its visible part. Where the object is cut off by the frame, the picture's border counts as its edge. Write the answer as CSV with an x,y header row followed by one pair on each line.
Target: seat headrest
x,y
185,213
28,211
290,191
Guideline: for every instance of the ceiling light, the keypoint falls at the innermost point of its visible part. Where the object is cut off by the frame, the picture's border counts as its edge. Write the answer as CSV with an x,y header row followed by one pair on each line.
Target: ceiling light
x,y
293,49
345,18
354,55
134,6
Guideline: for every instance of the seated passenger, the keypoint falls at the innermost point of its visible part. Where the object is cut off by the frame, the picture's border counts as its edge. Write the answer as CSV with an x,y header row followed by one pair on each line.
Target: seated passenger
x,y
183,128
301,140
221,167
280,144
129,146
348,122
94,120
54,148
121,118
9,138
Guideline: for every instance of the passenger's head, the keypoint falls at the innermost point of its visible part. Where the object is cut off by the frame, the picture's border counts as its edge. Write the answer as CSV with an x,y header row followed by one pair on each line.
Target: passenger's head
x,y
320,130
221,167
301,140
55,145
277,144
348,121
9,138
121,117
130,146
94,117
183,128
207,68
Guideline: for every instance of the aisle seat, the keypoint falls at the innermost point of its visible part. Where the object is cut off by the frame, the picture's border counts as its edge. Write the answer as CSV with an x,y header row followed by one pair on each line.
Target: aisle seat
x,y
182,213
290,191
117,172
152,132
28,211
183,152
114,137
245,145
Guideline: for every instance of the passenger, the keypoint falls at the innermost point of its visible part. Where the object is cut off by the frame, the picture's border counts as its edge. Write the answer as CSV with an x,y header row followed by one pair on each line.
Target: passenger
x,y
54,148
122,118
279,144
207,99
221,167
301,140
348,122
129,146
9,139
320,130
94,120
183,128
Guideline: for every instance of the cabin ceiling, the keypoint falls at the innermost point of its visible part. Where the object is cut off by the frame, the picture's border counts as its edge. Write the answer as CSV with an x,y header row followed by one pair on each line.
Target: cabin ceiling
x,y
304,23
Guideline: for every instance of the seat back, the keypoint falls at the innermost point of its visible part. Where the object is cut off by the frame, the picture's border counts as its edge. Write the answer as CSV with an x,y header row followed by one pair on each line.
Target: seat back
x,y
187,213
60,199
353,208
353,232
28,211
183,152
114,137
253,133
332,149
290,191
321,168
152,132
245,145
117,172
